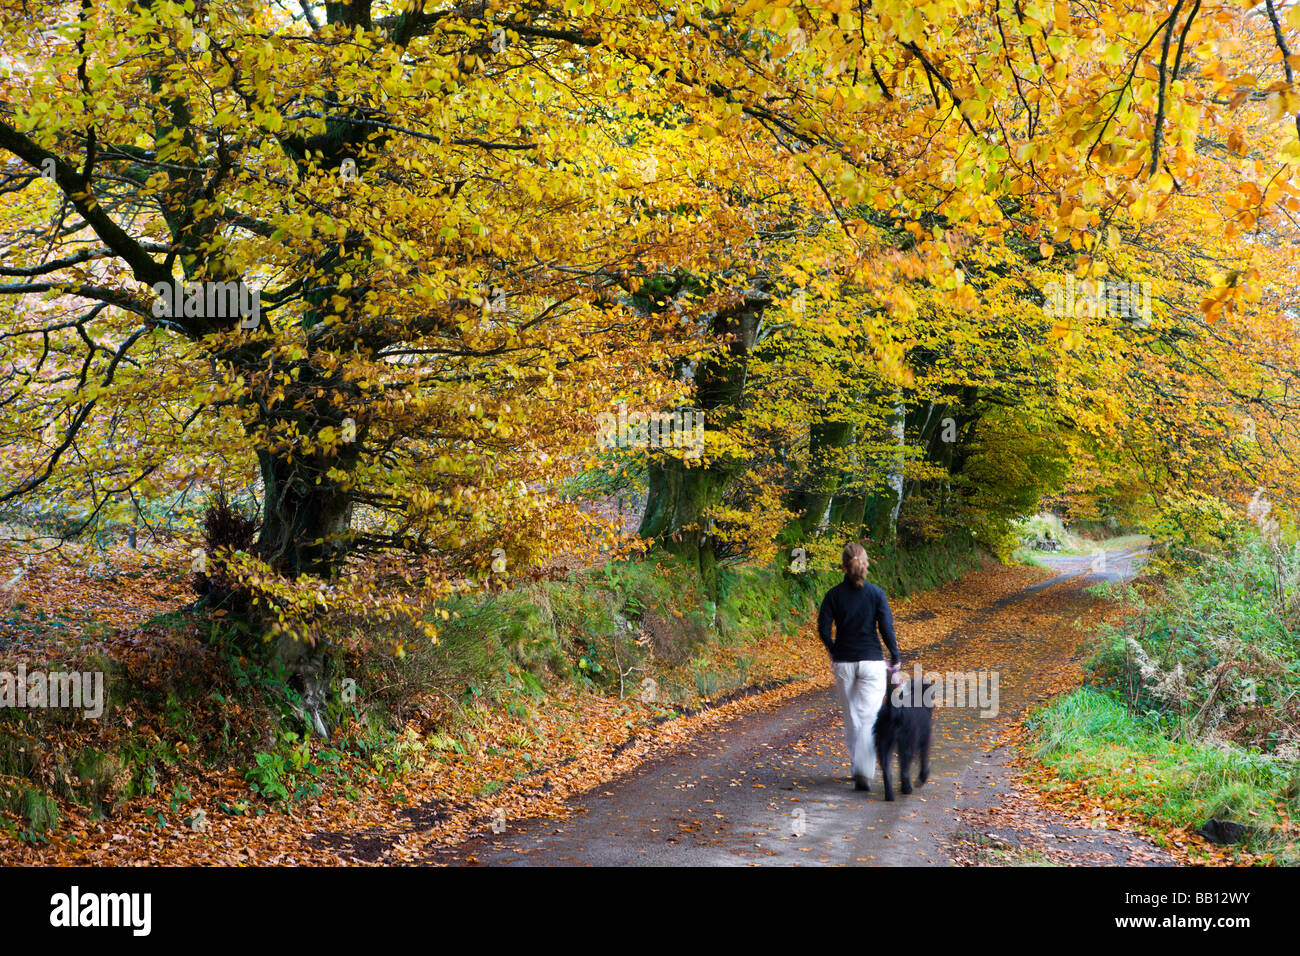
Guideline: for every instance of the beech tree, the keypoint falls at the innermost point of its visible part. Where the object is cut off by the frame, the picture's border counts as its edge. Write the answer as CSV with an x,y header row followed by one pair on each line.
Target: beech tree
x,y
464,225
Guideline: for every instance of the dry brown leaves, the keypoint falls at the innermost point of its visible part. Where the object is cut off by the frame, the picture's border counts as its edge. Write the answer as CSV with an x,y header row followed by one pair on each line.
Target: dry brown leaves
x,y
521,767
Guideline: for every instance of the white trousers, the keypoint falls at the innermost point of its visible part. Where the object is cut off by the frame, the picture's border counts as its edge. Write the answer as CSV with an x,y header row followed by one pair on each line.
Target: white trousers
x,y
861,685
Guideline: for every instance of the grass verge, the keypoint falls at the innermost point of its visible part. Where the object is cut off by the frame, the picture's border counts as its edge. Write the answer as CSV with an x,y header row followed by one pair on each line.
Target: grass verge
x,y
1190,711
188,706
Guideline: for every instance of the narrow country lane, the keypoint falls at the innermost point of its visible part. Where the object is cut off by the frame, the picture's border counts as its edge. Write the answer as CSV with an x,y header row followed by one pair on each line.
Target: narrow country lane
x,y
771,787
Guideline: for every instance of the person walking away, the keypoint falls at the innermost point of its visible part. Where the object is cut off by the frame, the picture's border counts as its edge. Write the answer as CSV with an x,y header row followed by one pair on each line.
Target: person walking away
x,y
859,612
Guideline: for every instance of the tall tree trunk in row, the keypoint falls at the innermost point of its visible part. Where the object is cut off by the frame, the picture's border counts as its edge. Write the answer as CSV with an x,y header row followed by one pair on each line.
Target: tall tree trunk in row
x,y
681,492
883,500
829,446
943,431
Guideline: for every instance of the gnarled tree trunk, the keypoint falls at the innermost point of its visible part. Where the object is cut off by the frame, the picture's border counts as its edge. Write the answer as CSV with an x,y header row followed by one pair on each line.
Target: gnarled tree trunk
x,y
681,492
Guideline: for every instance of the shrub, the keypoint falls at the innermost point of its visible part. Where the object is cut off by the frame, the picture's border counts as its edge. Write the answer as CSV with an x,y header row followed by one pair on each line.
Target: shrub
x,y
225,532
1214,653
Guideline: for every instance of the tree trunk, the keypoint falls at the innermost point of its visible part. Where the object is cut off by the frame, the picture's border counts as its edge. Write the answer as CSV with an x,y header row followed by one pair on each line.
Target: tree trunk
x,y
883,505
678,500
849,508
943,431
305,525
306,530
682,492
827,442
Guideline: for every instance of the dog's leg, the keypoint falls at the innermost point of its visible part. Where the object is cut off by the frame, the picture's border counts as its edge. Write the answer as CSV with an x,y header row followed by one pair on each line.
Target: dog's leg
x,y
883,748
905,765
925,757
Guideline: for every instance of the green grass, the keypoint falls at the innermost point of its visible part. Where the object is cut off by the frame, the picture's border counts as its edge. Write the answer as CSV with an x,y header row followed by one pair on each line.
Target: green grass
x,y
585,629
1090,736
1191,708
1043,527
1082,548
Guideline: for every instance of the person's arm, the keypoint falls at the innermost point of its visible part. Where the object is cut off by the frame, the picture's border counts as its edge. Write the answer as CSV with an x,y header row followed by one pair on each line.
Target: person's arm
x,y
825,617
885,623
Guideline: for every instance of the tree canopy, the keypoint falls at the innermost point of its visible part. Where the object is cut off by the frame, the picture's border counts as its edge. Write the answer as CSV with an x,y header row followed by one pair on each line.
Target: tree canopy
x,y
917,264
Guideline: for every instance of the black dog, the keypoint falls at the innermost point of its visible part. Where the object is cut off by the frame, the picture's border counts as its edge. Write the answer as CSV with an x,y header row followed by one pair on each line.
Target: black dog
x,y
904,723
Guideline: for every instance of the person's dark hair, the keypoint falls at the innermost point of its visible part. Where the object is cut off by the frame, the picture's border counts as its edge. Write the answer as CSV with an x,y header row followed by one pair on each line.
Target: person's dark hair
x,y
854,563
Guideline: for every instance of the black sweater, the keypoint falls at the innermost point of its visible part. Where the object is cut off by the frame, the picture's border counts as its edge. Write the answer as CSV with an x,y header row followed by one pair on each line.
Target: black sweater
x,y
857,613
